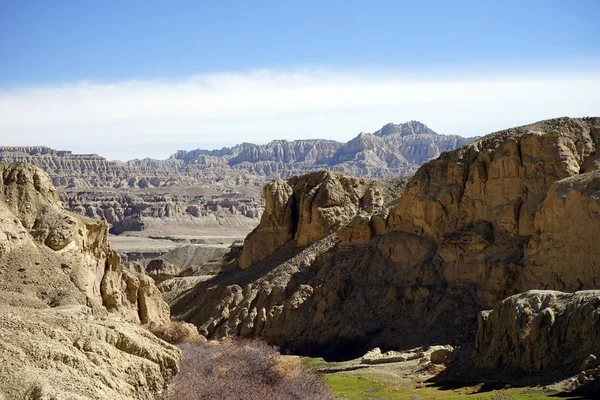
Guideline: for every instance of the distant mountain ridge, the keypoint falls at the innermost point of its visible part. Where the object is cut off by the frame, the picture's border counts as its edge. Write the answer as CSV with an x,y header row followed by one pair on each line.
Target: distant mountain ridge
x,y
395,149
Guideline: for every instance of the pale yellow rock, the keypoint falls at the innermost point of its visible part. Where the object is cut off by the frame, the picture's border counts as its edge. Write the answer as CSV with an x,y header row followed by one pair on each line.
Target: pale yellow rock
x,y
69,312
66,353
564,252
309,207
276,226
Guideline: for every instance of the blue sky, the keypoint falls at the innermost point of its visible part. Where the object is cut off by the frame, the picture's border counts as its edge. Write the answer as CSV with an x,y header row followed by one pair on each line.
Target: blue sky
x,y
128,69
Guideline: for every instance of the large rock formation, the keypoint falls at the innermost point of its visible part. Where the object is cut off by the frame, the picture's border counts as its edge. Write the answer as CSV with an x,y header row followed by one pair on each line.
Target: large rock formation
x,y
474,226
60,284
277,224
310,207
541,330
90,170
566,223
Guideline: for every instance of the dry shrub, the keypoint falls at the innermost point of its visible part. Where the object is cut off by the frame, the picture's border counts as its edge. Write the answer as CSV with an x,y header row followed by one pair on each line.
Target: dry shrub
x,y
178,332
285,367
243,369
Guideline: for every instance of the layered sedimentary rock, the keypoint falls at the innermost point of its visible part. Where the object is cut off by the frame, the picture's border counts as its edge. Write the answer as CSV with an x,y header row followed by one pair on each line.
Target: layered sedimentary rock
x,y
134,211
90,170
393,150
396,149
473,227
61,283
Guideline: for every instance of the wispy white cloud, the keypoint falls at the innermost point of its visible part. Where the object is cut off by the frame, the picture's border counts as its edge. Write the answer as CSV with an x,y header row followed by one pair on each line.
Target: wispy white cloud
x,y
154,118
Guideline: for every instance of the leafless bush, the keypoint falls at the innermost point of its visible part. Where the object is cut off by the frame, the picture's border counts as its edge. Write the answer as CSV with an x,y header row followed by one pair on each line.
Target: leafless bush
x,y
178,332
243,369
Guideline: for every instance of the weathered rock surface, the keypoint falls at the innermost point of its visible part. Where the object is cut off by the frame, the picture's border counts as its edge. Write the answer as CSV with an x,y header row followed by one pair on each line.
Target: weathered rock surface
x,y
160,269
438,354
136,211
220,188
473,227
567,221
68,353
276,226
312,206
60,284
541,330
90,170
189,260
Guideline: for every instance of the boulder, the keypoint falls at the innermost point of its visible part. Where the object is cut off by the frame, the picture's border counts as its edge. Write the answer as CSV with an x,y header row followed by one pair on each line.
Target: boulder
x,y
440,354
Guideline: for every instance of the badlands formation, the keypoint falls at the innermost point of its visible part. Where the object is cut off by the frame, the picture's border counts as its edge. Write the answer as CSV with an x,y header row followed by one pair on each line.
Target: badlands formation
x,y
200,191
487,256
70,314
494,243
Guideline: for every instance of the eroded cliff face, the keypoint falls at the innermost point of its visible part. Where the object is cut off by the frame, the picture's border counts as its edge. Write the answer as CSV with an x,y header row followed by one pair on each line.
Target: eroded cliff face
x,y
501,178
310,207
473,227
497,209
563,253
541,330
136,211
276,224
50,239
59,279
400,149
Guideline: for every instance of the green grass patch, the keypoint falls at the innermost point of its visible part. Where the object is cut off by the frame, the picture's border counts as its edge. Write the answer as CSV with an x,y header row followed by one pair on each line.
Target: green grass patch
x,y
357,386
318,363
371,384
360,387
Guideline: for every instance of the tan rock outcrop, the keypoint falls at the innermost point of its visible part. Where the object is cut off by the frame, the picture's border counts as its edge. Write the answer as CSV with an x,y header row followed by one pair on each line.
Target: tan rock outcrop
x,y
54,240
309,207
473,227
563,254
540,330
276,227
68,353
326,202
67,304
501,178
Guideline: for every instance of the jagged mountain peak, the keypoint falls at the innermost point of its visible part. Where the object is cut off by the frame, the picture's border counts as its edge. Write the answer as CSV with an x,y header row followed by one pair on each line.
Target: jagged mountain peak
x,y
405,129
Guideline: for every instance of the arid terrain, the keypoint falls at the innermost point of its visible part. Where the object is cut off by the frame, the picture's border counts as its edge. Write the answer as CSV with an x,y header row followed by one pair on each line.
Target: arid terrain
x,y
215,196
473,275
